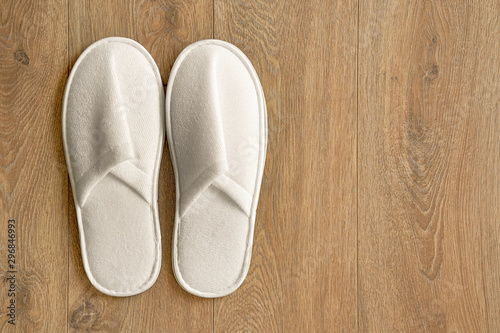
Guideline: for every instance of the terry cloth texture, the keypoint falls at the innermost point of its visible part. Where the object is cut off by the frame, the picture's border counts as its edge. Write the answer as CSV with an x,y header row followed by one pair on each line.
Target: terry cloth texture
x,y
217,133
113,130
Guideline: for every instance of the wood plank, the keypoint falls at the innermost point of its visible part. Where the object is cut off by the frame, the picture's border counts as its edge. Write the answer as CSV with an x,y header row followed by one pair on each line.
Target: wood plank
x,y
164,28
303,272
429,156
33,178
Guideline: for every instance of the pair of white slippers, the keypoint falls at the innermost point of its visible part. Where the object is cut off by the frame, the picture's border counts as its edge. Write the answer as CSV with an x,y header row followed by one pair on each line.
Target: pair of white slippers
x,y
114,121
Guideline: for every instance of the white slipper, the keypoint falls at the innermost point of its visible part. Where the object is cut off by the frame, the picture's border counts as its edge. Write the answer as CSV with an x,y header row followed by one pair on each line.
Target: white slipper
x,y
217,133
113,131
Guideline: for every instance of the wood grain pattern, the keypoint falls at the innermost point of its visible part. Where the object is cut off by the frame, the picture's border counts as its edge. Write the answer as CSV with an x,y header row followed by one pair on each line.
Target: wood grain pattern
x,y
33,187
429,157
164,28
380,203
303,272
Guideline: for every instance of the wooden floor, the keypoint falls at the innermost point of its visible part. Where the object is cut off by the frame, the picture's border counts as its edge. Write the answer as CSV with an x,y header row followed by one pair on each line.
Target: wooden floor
x,y
380,204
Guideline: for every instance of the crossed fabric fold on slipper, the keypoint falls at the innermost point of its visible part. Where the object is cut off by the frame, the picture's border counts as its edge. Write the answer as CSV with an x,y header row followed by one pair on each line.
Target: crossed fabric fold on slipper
x,y
111,149
204,159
